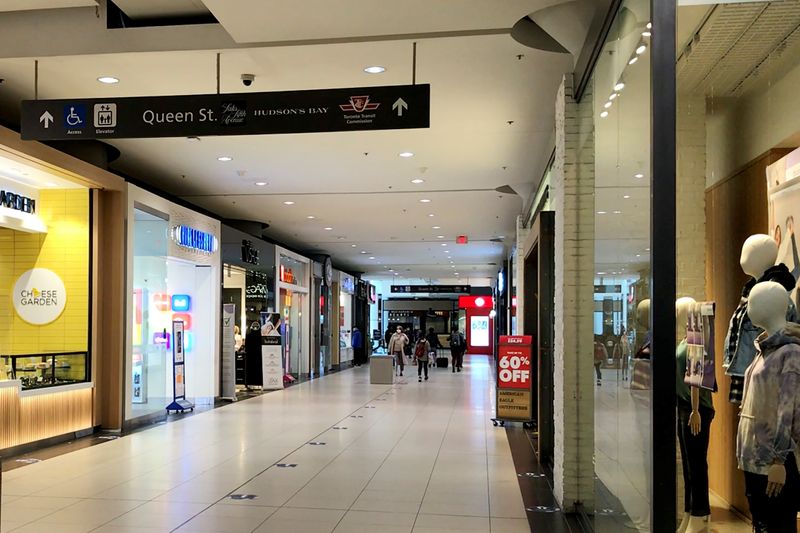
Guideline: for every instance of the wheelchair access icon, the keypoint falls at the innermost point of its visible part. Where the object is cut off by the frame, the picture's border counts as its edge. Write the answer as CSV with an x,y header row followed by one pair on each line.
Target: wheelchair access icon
x,y
75,116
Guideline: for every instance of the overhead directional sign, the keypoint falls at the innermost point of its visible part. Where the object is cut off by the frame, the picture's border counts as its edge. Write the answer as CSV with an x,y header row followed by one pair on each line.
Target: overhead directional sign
x,y
437,289
323,110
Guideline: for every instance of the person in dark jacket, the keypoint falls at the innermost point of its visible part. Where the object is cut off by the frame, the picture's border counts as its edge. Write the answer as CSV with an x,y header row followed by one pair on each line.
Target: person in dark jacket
x,y
433,340
357,341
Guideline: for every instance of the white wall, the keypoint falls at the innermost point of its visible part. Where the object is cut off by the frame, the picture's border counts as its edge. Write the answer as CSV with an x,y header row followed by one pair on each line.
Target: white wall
x,y
741,129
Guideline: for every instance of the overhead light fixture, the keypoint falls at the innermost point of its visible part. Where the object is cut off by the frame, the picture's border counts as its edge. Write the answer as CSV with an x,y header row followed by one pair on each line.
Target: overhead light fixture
x,y
431,215
638,176
602,212
456,273
375,69
647,33
436,227
608,104
617,212
425,201
224,158
363,251
353,246
613,96
108,80
312,217
452,266
391,270
619,86
440,236
444,244
649,25
329,228
406,154
627,196
604,114
417,181
633,60
261,183
288,202
372,257
642,48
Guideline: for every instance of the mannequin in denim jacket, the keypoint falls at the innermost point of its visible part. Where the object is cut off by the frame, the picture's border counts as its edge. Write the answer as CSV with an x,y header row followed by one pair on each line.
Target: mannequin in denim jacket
x,y
759,254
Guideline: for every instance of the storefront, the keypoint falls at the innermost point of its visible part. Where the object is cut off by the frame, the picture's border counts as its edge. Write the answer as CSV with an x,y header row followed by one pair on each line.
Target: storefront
x,y
292,289
479,317
321,354
682,161
49,335
347,290
174,268
248,283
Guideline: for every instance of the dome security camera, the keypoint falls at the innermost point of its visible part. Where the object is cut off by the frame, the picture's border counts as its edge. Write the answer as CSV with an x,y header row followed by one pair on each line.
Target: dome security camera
x,y
248,79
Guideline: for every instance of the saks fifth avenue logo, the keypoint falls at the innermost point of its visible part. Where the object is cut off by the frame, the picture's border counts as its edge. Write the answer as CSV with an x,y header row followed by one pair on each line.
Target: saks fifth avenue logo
x,y
39,296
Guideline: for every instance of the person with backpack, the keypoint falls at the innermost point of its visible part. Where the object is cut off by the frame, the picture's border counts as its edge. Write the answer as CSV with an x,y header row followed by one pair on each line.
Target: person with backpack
x,y
433,340
421,350
397,346
458,345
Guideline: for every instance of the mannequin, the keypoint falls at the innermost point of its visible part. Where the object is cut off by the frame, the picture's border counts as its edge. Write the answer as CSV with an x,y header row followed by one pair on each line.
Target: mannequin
x,y
765,445
643,322
759,254
695,413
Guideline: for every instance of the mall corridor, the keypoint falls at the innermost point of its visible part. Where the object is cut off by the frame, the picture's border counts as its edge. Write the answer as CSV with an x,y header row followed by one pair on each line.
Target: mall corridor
x,y
334,454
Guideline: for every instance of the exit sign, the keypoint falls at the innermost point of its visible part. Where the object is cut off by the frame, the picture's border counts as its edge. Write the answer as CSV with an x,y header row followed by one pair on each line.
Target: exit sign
x,y
462,239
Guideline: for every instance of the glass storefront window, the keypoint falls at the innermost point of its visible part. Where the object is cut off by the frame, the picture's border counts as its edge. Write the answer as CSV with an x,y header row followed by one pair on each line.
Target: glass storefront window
x,y
295,309
615,137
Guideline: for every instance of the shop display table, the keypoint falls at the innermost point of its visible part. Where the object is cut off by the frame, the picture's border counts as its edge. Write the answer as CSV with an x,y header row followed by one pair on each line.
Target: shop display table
x,y
381,370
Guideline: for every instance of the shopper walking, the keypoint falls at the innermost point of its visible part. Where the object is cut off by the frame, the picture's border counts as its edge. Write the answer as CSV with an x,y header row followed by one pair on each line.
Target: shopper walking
x,y
397,347
600,355
433,340
458,345
421,351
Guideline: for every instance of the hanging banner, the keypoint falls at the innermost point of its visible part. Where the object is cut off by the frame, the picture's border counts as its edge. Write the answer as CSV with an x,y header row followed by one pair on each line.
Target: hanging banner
x,y
321,110
179,401
228,391
271,351
514,383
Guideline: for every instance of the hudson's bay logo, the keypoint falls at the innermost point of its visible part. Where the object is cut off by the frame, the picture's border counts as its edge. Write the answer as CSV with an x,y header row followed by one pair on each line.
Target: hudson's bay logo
x,y
39,296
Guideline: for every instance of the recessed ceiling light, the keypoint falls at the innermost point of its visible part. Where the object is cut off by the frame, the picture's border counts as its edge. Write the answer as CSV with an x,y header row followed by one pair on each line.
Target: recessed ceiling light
x,y
617,212
224,158
288,202
444,244
372,257
431,215
353,246
425,201
329,228
406,154
638,255
602,212
641,49
391,270
619,86
649,25
261,183
436,227
363,251
312,217
608,104
647,33
108,80
647,249
613,96
638,176
633,60
375,69
604,114
457,274
417,181
627,196
440,236
452,266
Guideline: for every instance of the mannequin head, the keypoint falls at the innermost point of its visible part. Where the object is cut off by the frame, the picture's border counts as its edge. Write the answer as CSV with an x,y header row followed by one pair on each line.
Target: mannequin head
x,y
682,308
767,306
643,313
759,252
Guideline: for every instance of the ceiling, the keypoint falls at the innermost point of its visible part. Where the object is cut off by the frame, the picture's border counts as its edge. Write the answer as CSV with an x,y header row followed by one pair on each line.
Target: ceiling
x,y
492,115
30,5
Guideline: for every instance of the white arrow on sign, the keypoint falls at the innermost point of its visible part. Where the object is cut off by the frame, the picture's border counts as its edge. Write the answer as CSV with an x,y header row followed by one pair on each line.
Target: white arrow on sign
x,y
46,119
399,106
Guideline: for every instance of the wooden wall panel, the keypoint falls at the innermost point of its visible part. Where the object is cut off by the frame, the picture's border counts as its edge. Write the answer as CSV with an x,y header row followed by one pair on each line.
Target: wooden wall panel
x,y
31,418
735,209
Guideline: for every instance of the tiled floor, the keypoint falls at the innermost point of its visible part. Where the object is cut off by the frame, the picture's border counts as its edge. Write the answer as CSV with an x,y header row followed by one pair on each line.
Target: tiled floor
x,y
421,457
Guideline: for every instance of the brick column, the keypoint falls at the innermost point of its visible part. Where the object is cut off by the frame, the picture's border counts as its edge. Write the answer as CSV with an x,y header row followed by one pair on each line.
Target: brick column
x,y
573,202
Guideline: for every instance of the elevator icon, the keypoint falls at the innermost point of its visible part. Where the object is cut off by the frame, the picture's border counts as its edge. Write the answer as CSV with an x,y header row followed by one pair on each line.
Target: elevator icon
x,y
105,115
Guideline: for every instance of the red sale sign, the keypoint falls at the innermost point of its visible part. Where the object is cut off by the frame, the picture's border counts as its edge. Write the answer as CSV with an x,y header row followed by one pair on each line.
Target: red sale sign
x,y
514,362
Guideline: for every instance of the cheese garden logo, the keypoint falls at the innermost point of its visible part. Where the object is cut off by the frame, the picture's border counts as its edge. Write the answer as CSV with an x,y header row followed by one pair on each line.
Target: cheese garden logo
x,y
39,296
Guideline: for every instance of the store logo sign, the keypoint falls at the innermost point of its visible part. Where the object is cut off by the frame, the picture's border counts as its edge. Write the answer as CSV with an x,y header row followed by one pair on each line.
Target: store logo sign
x,y
39,296
17,202
194,239
181,302
359,104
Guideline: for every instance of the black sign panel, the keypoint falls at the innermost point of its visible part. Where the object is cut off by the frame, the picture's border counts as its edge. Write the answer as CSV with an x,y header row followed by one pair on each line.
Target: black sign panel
x,y
323,110
439,289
